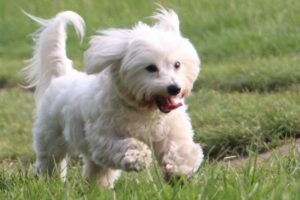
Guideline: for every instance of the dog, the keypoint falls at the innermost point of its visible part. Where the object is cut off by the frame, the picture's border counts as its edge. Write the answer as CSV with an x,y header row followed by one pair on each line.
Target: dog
x,y
128,104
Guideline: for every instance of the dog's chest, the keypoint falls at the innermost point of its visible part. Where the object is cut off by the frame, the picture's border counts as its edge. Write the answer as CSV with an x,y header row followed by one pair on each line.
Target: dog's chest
x,y
139,126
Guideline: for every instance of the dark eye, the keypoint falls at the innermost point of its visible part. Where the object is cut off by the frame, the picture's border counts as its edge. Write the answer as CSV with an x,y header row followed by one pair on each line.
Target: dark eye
x,y
152,68
177,65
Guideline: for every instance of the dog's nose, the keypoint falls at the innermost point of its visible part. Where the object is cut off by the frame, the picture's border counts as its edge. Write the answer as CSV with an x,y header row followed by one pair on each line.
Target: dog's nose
x,y
173,89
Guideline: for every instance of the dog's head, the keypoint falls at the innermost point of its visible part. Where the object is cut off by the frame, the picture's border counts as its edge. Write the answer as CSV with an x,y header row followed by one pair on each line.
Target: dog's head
x,y
154,65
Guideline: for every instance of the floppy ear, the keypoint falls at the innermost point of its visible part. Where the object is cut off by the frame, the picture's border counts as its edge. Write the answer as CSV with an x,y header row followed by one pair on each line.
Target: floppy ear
x,y
106,49
166,20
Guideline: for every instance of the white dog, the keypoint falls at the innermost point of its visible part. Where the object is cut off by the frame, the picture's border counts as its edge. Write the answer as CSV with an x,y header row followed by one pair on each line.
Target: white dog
x,y
131,101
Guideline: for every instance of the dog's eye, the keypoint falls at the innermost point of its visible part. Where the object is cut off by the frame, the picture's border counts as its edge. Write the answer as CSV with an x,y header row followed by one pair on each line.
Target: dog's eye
x,y
177,65
152,68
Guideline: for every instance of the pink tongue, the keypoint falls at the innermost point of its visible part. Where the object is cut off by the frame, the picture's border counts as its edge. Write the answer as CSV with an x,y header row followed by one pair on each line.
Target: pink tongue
x,y
173,106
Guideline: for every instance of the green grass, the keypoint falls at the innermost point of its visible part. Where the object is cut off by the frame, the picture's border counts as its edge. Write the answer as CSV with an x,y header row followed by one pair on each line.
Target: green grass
x,y
246,99
10,75
234,123
15,123
278,178
221,30
262,74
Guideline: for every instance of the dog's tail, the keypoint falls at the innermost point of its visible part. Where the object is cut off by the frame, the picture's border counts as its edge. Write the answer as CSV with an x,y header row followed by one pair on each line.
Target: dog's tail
x,y
50,59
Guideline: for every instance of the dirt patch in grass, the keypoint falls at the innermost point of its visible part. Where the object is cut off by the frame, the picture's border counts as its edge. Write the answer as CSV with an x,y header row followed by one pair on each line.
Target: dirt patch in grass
x,y
283,150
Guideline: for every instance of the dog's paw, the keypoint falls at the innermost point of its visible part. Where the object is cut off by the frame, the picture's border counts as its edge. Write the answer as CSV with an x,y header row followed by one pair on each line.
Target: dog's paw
x,y
183,160
137,157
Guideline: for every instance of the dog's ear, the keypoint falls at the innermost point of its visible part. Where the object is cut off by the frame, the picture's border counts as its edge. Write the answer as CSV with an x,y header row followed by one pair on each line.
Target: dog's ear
x,y
106,49
166,20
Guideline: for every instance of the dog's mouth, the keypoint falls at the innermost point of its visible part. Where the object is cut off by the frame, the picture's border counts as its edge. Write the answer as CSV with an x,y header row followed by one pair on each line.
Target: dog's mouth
x,y
167,104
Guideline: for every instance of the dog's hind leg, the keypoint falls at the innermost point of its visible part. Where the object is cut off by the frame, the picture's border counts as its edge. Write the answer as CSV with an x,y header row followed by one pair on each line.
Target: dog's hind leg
x,y
50,147
90,169
46,163
106,176
63,169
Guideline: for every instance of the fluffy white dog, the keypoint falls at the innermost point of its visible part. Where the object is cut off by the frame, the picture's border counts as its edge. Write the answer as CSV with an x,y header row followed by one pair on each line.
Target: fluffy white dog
x,y
130,100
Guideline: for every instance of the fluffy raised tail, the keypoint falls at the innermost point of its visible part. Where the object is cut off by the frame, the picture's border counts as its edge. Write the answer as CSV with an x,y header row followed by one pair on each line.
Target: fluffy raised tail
x,y
50,59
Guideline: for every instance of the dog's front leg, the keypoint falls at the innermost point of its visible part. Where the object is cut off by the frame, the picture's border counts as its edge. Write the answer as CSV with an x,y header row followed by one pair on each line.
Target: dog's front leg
x,y
177,153
128,154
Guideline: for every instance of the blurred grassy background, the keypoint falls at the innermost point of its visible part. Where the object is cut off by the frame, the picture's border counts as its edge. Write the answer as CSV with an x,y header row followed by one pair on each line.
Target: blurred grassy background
x,y
221,30
245,98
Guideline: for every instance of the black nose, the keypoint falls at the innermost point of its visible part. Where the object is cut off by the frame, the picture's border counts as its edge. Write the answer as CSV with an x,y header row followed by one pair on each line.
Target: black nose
x,y
173,89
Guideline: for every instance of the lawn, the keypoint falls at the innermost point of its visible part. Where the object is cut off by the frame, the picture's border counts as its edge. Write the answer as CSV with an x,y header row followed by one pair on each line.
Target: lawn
x,y
246,100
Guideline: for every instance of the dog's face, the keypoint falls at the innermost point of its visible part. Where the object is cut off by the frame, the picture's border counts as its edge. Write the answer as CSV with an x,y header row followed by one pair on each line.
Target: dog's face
x,y
155,65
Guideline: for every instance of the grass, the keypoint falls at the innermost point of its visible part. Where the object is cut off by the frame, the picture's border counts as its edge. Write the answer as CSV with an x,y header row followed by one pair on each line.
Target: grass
x,y
262,74
15,123
246,99
220,30
234,123
276,179
10,75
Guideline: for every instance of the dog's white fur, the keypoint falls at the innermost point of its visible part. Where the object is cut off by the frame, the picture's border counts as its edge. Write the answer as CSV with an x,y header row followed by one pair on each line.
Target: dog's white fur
x,y
110,115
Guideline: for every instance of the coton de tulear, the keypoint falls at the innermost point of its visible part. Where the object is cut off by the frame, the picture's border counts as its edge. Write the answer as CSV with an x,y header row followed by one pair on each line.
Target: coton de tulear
x,y
129,101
